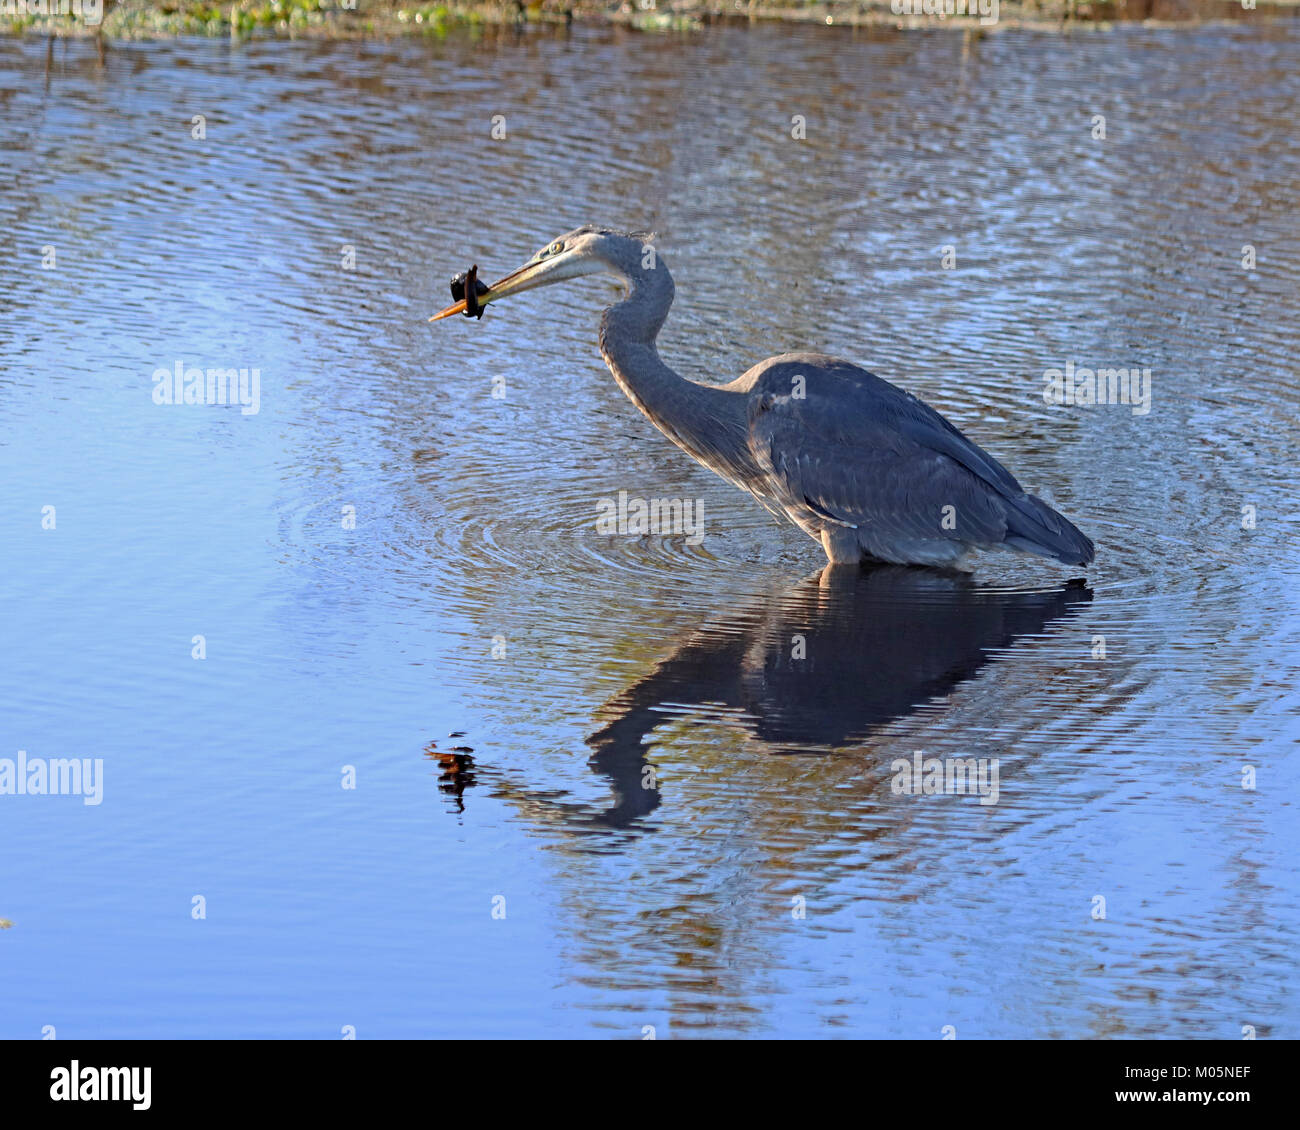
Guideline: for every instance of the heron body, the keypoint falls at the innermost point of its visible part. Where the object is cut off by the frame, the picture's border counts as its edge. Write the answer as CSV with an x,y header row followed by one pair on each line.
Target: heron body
x,y
866,469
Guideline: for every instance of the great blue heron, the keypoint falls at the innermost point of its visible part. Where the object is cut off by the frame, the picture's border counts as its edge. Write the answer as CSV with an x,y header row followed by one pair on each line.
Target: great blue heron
x,y
864,468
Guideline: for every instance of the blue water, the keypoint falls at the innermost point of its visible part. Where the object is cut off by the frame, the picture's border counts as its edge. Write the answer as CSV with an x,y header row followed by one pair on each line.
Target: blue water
x,y
769,882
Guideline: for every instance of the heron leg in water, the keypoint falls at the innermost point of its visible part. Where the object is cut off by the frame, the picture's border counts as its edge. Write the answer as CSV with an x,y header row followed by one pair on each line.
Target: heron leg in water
x,y
842,546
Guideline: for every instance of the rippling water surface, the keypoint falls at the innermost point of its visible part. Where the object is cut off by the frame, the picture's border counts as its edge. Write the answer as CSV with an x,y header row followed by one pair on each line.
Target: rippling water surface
x,y
654,812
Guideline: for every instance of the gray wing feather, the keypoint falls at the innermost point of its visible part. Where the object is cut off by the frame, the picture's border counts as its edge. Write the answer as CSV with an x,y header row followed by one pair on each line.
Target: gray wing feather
x,y
857,451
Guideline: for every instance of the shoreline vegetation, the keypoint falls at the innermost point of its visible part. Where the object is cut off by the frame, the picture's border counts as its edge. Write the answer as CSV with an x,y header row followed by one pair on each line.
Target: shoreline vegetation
x,y
352,19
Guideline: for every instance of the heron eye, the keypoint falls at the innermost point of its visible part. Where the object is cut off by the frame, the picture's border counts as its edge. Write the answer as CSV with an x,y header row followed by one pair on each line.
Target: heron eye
x,y
555,248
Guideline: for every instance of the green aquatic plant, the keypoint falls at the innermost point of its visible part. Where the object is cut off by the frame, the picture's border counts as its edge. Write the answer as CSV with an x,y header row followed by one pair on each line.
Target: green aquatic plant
x,y
340,19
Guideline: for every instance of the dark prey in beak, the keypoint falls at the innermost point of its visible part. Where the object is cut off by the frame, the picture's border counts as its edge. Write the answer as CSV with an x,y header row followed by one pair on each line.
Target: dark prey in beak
x,y
468,286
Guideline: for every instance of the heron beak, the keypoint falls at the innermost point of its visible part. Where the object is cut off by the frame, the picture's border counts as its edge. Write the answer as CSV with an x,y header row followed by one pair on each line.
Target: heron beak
x,y
536,273
526,277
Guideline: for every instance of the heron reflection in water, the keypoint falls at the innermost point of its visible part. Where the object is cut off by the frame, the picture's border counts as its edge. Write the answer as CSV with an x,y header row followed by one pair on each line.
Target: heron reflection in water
x,y
810,668
867,470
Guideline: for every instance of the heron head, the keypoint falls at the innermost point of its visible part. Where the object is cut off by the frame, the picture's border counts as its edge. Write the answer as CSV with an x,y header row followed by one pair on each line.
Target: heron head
x,y
586,250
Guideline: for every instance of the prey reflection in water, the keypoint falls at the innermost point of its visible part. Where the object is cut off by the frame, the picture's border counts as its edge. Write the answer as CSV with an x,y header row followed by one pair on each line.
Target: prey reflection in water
x,y
810,668
867,470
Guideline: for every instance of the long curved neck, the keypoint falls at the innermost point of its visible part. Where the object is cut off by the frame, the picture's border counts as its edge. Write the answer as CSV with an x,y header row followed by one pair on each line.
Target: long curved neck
x,y
708,423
